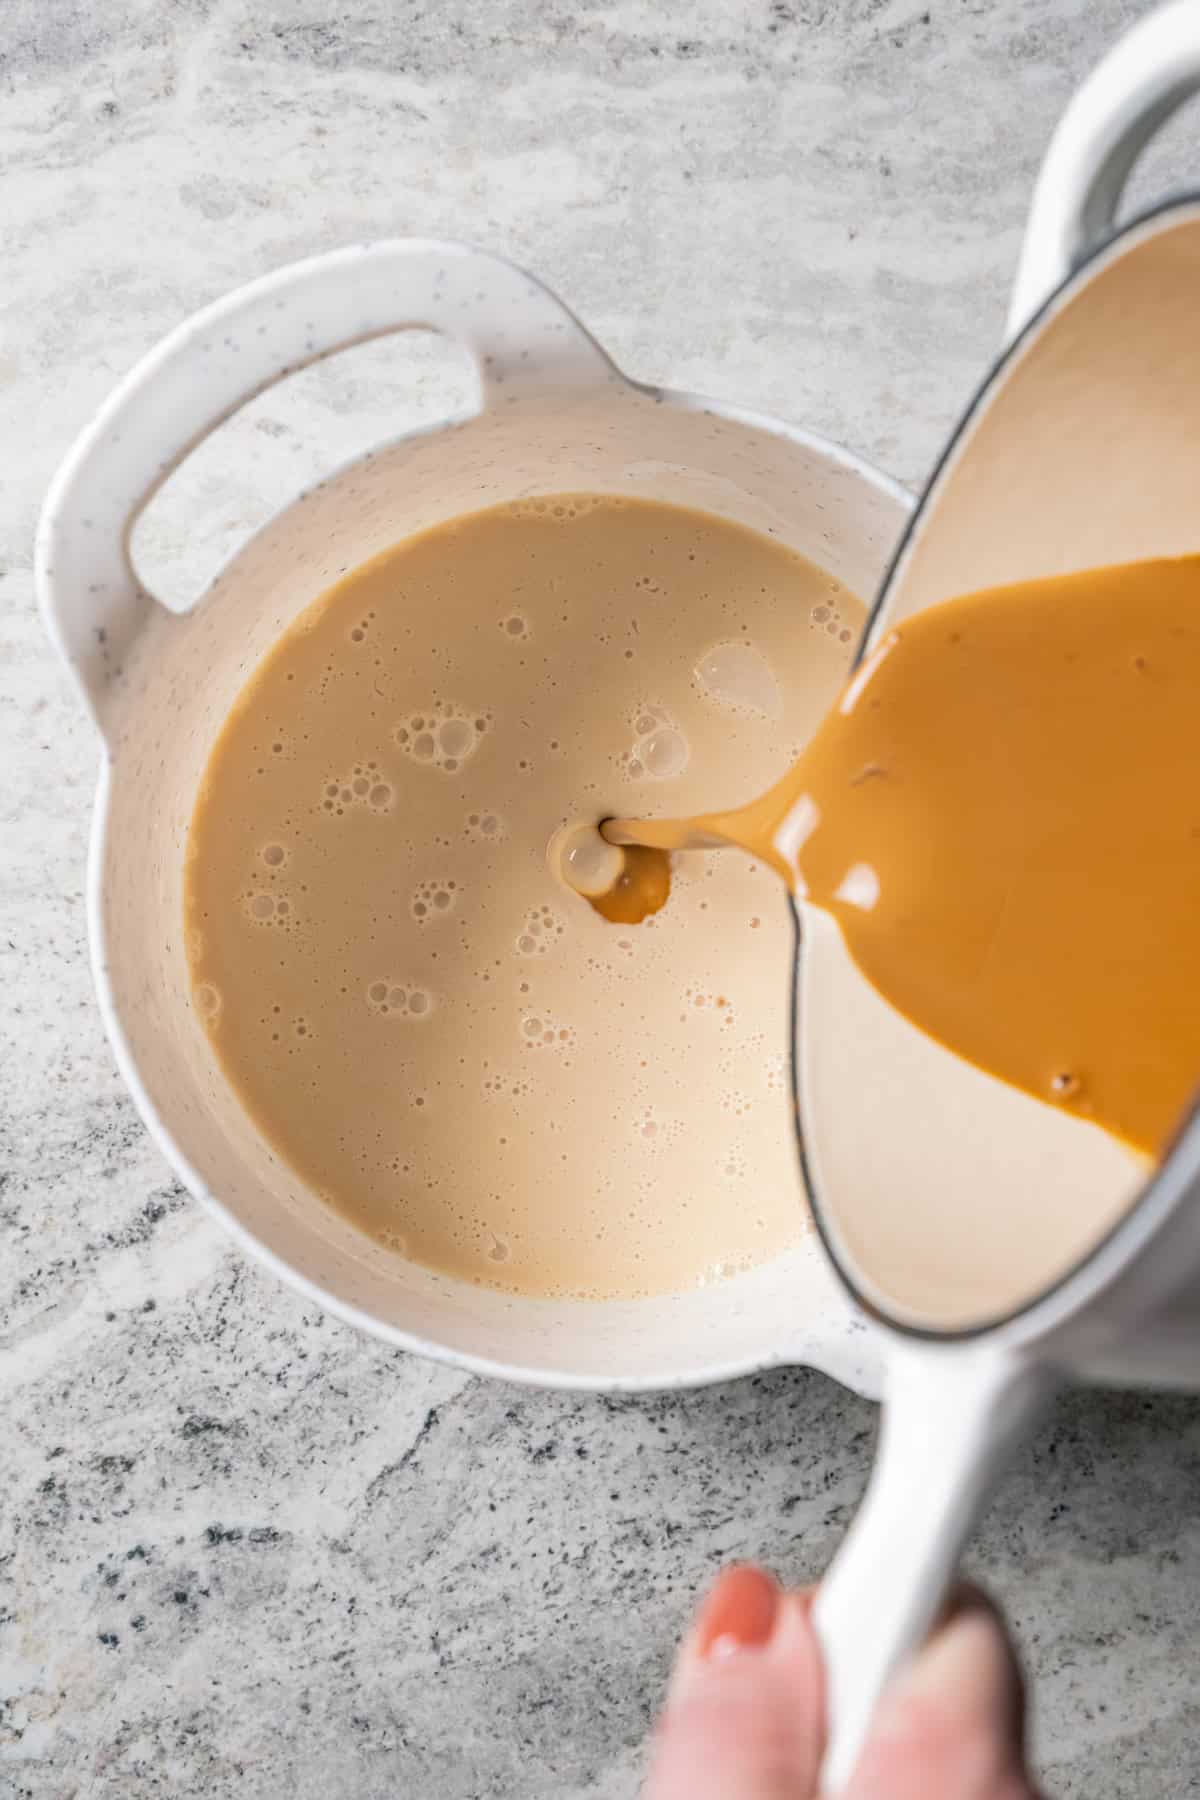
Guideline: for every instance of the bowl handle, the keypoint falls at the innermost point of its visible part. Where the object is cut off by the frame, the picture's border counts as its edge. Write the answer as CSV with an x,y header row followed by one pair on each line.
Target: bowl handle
x,y
951,1420
521,337
1147,74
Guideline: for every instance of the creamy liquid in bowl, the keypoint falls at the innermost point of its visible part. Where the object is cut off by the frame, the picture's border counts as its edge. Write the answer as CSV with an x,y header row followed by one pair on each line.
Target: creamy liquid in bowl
x,y
447,1043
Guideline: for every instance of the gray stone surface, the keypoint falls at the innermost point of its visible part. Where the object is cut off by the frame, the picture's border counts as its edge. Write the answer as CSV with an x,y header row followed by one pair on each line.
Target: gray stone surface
x,y
243,1551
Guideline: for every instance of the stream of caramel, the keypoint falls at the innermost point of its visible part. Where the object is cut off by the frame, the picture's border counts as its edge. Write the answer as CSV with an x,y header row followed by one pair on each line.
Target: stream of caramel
x,y
1002,813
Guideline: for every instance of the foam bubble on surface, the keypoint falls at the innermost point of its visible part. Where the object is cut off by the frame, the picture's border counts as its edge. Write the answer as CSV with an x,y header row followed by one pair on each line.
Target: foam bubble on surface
x,y
399,999
364,788
444,735
541,930
828,618
583,860
433,900
660,749
538,1032
486,827
776,1074
664,753
739,677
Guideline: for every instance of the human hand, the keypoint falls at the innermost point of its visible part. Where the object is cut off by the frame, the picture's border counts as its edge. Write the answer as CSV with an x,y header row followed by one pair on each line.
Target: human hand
x,y
744,1718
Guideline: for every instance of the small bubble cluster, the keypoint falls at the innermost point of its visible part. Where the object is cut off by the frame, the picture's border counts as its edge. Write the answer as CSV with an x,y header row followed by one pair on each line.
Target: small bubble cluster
x,y
502,1086
358,633
542,926
486,827
562,506
301,1032
539,1032
263,908
827,617
364,788
399,1000
659,750
655,1134
443,737
433,900
723,1270
700,998
776,1074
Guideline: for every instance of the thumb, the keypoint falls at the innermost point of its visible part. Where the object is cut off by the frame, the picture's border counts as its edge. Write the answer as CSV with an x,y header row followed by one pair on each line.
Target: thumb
x,y
743,1714
953,1721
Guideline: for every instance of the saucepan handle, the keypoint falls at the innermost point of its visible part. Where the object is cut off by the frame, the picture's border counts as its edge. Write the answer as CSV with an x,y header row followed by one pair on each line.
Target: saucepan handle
x,y
1152,70
951,1419
522,338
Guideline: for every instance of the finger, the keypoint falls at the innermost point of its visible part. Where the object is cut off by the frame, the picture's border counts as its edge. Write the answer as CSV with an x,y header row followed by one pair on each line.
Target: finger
x,y
953,1721
743,1710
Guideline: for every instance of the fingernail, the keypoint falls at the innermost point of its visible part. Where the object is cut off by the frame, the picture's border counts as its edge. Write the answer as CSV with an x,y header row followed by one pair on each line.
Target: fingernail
x,y
739,1613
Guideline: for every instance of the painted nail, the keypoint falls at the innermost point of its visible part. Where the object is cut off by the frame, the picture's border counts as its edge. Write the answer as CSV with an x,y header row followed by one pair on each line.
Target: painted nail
x,y
739,1613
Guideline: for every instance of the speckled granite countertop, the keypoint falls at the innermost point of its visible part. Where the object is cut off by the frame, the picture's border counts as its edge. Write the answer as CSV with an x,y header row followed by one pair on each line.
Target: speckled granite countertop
x,y
243,1551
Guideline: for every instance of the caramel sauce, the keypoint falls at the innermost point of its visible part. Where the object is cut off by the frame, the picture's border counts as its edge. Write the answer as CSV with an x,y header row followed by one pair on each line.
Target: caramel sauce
x,y
1002,814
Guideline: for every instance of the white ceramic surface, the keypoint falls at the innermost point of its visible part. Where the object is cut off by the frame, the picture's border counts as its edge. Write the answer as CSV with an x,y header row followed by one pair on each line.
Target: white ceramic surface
x,y
554,415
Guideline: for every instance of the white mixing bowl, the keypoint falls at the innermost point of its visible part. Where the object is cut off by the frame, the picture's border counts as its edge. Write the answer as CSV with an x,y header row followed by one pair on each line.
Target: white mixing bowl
x,y
554,415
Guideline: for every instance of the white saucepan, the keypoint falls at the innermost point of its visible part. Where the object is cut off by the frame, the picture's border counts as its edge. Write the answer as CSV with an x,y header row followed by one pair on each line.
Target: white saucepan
x,y
1080,449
